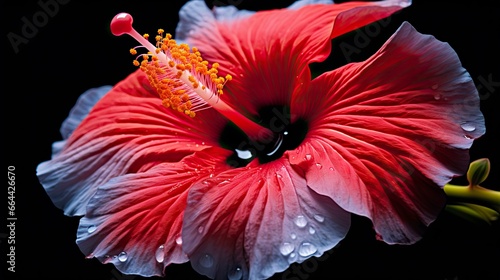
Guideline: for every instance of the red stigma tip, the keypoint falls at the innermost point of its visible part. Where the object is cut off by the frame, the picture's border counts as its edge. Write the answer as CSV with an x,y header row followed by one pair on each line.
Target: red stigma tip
x,y
121,24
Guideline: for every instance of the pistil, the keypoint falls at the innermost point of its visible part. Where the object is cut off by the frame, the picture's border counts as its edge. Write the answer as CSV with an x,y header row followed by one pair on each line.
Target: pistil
x,y
183,80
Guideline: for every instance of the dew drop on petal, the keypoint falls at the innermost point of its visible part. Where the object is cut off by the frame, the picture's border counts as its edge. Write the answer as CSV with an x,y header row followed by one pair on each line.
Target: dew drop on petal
x,y
468,136
319,166
292,257
178,240
437,96
160,254
235,274
319,218
122,256
312,230
91,229
200,229
307,157
331,169
306,249
293,236
206,261
286,248
435,86
468,127
300,221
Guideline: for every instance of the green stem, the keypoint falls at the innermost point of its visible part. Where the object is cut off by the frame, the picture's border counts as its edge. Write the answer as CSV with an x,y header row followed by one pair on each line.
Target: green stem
x,y
474,194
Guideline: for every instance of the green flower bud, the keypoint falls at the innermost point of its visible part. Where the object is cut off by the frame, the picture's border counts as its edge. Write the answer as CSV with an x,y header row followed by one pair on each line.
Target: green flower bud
x,y
478,171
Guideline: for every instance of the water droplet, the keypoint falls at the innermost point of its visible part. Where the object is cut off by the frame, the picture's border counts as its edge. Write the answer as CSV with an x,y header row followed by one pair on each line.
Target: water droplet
x,y
178,240
319,166
300,221
205,182
437,96
286,248
211,175
312,230
306,249
468,127
122,256
293,236
200,229
435,86
203,143
243,154
278,175
91,229
468,136
292,257
160,254
235,274
307,157
319,218
331,169
206,261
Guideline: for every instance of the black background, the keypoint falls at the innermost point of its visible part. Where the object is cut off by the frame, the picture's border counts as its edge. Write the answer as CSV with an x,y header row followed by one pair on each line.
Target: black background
x,y
74,50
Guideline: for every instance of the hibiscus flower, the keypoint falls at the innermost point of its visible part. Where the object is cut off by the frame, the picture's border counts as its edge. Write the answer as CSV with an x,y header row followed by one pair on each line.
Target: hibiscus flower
x,y
229,155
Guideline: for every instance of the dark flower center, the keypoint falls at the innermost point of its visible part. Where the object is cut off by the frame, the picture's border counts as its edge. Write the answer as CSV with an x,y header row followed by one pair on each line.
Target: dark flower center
x,y
286,136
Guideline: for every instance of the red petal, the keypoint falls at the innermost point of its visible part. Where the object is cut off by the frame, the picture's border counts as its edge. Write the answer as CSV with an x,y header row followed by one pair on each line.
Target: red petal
x,y
135,220
267,53
395,128
127,131
253,222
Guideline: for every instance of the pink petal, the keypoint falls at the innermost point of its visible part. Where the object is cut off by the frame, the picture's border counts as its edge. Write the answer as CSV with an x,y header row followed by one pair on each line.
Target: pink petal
x,y
127,131
253,222
394,129
135,220
267,53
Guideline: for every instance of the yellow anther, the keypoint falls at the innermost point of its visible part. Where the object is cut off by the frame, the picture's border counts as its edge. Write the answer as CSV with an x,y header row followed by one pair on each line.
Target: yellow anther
x,y
179,74
229,77
133,51
146,36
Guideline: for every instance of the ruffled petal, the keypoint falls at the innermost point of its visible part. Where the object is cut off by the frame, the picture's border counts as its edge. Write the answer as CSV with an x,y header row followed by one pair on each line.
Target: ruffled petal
x,y
255,48
127,131
250,223
387,133
81,109
134,221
